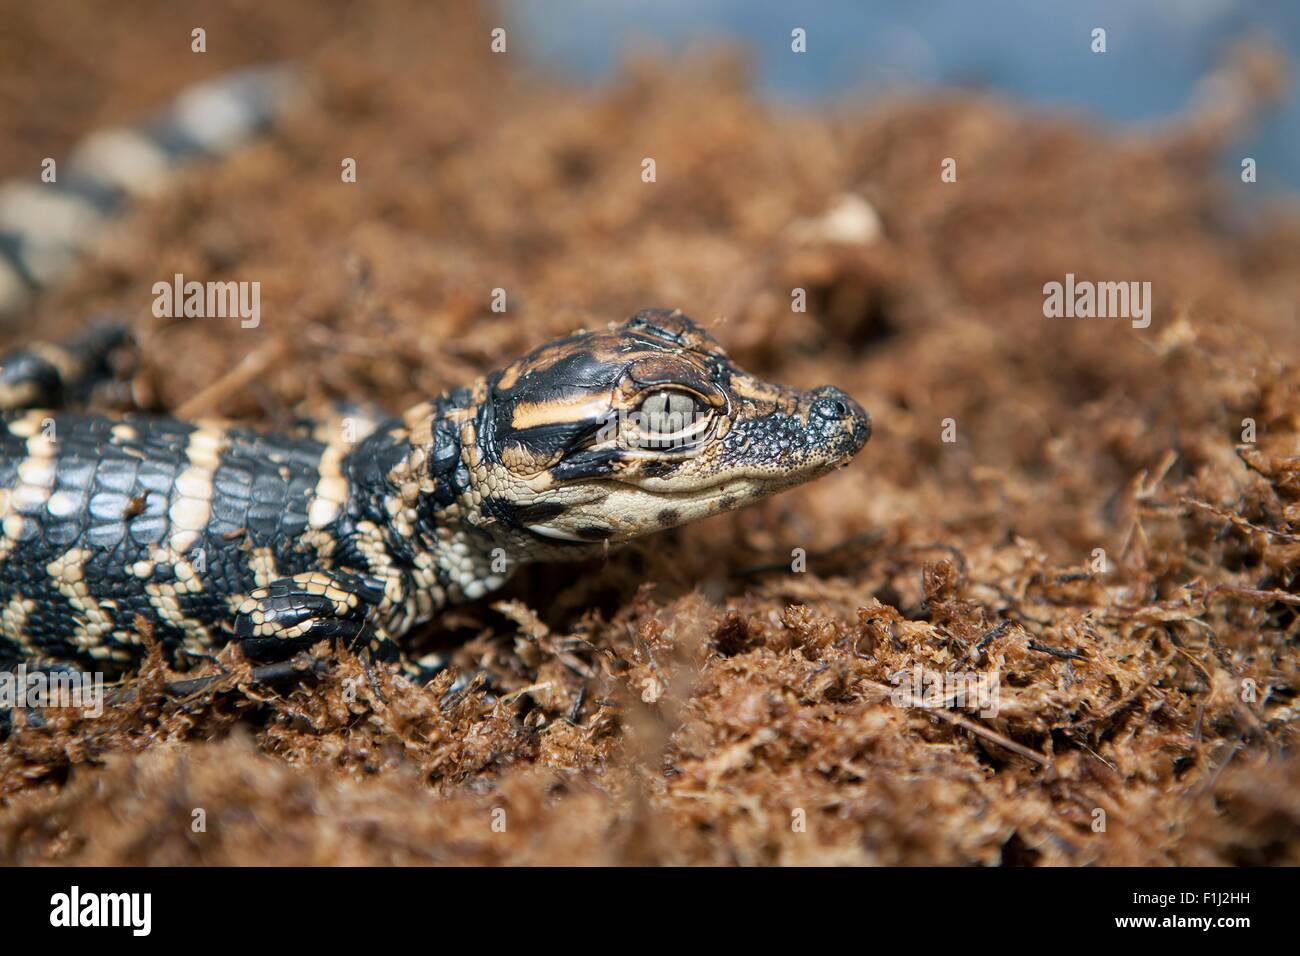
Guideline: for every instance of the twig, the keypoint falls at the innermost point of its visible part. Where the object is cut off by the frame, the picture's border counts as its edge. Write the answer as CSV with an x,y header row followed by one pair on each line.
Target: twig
x,y
249,369
1238,520
1067,655
1255,594
995,632
266,674
523,690
971,725
576,711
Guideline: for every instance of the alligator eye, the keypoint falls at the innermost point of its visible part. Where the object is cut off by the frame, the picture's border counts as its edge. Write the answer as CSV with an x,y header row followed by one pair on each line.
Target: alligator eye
x,y
669,420
668,412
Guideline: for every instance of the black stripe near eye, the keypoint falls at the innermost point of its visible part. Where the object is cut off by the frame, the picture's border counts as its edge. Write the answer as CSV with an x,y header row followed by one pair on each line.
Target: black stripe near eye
x,y
547,440
586,464
595,433
538,511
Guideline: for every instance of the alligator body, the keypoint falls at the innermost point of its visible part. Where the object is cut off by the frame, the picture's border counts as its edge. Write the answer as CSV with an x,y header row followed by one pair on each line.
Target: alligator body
x,y
204,532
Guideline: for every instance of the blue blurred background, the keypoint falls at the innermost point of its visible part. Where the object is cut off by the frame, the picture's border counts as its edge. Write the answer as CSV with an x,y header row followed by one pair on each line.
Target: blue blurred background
x,y
1037,51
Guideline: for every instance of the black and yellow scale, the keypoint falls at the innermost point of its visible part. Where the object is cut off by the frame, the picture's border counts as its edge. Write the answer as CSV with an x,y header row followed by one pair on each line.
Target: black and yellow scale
x,y
202,532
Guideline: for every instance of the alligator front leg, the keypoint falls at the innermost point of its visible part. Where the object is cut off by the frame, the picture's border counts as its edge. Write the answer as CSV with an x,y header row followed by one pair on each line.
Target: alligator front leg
x,y
291,613
294,612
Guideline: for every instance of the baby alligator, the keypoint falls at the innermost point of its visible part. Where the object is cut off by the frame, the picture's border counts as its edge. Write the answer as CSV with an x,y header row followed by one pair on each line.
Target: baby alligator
x,y
201,533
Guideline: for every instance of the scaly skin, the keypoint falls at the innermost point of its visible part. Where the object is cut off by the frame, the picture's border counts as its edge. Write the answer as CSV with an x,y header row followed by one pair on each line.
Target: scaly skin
x,y
203,532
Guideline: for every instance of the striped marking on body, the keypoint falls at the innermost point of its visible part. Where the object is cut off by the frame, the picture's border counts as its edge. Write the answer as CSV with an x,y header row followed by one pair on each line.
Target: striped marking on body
x,y
190,507
14,619
93,625
32,491
165,599
330,496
